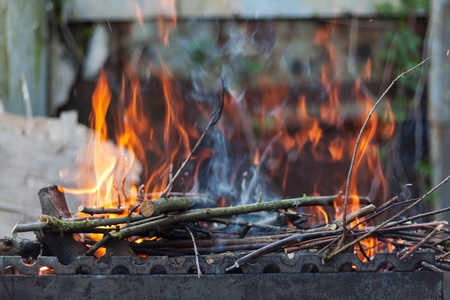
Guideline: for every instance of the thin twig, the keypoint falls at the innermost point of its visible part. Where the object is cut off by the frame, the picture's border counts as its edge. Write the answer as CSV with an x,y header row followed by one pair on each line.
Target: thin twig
x,y
267,150
99,244
172,194
430,267
443,256
131,212
199,271
207,213
352,163
278,245
245,223
100,210
426,239
123,188
361,248
431,213
343,248
213,121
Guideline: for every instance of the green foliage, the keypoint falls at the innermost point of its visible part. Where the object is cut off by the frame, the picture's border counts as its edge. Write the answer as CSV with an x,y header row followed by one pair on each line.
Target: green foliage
x,y
385,9
252,65
198,55
403,50
407,51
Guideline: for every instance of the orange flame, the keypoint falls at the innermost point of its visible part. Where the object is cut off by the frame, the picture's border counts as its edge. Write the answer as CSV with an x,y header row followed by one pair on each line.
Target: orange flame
x,y
167,19
139,15
300,132
95,178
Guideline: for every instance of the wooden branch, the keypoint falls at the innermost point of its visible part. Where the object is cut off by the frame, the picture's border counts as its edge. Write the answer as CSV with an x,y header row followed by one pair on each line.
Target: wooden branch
x,y
280,244
64,246
308,244
431,213
382,225
100,210
53,202
17,246
99,244
443,256
366,210
64,226
256,225
82,226
199,271
190,251
351,217
30,227
73,226
430,267
207,213
426,239
171,244
352,163
385,206
142,196
159,206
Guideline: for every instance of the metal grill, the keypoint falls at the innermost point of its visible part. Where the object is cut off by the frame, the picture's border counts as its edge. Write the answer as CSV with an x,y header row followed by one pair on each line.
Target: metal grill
x,y
275,276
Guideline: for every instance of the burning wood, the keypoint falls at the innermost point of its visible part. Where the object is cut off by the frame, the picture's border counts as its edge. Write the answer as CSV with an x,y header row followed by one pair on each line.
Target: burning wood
x,y
178,223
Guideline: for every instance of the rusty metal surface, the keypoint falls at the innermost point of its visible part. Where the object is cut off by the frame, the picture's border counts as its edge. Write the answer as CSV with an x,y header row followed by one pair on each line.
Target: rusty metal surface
x,y
273,276
217,263
348,285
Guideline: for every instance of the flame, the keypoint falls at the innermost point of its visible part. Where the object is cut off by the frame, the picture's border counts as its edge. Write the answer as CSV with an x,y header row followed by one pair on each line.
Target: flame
x,y
95,178
176,133
368,69
139,14
167,19
370,246
323,215
329,113
336,148
256,158
289,135
46,271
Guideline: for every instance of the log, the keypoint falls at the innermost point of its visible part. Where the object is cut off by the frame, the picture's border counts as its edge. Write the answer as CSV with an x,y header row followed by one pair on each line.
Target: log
x,y
159,206
53,202
23,247
63,246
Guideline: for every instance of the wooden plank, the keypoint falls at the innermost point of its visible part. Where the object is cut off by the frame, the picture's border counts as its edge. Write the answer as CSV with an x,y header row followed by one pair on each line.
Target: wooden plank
x,y
32,152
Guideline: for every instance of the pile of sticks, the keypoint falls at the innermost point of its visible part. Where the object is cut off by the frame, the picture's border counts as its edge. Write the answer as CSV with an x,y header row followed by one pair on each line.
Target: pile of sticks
x,y
174,228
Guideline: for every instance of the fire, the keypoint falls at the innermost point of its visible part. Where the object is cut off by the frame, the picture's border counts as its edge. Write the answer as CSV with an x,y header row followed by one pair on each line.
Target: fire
x,y
285,136
167,19
139,14
95,177
322,214
105,167
46,271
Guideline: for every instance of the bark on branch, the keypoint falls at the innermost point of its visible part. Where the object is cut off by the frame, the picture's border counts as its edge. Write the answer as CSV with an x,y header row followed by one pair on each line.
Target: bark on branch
x,y
207,213
159,206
